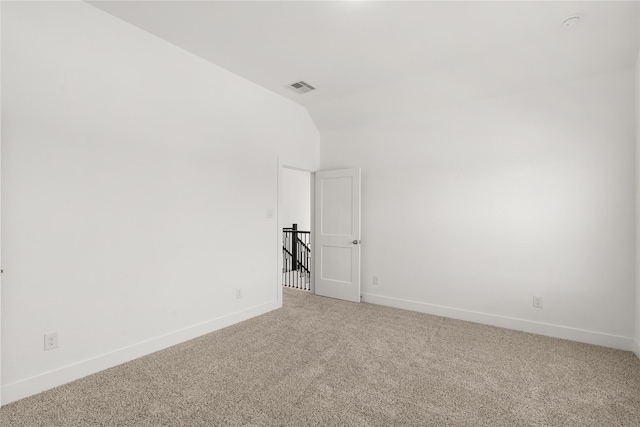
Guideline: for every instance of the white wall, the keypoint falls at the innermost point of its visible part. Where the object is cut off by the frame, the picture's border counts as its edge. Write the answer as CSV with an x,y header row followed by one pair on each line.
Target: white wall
x,y
470,211
0,209
296,198
134,193
637,335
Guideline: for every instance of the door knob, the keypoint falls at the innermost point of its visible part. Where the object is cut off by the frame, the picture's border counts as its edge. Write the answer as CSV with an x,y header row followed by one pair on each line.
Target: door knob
x,y
356,242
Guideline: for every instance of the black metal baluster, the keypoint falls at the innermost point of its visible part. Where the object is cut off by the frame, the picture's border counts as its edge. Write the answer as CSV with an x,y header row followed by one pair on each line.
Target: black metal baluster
x,y
307,271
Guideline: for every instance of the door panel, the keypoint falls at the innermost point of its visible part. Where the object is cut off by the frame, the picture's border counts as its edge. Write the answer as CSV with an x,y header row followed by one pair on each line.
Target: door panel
x,y
337,212
339,261
337,257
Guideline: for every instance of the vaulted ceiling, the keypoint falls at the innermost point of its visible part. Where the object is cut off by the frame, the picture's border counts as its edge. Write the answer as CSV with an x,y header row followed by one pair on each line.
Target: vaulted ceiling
x,y
373,60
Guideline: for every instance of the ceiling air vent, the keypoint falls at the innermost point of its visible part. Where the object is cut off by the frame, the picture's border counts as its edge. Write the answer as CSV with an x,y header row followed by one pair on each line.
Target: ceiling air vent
x,y
301,87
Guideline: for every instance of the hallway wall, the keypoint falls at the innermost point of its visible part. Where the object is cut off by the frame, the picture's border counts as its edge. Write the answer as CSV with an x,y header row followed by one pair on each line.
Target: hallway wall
x,y
296,198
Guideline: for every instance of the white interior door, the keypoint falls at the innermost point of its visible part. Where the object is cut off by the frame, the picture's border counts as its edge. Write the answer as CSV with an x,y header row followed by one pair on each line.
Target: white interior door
x,y
337,234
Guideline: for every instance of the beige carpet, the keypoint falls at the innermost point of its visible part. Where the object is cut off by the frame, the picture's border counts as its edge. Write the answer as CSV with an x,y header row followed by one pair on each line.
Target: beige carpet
x,y
323,362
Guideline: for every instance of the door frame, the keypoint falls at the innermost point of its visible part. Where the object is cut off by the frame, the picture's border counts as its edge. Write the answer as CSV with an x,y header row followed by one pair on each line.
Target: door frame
x,y
282,164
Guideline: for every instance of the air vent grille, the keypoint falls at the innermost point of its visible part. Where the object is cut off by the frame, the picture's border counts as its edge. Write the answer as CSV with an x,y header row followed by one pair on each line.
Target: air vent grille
x,y
301,87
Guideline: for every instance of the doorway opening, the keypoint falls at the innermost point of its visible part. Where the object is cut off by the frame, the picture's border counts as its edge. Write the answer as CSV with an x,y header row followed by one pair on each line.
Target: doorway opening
x,y
296,229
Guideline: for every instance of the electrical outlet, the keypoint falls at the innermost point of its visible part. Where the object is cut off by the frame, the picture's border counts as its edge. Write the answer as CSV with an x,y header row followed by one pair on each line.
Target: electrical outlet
x,y
537,301
238,293
376,280
50,341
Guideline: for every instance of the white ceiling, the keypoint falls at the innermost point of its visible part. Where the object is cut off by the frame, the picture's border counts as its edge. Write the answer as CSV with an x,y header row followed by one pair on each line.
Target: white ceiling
x,y
377,60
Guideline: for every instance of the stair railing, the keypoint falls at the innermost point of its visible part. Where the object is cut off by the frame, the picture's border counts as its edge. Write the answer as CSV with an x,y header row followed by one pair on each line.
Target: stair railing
x,y
296,257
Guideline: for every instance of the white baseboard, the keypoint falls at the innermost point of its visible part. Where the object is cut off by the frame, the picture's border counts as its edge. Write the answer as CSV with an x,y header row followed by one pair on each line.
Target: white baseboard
x,y
636,347
555,331
49,380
